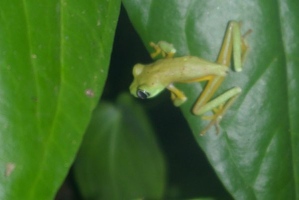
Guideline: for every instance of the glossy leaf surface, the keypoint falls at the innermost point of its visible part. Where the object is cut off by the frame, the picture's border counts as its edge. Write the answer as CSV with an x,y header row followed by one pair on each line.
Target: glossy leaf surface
x,y
53,64
119,157
256,153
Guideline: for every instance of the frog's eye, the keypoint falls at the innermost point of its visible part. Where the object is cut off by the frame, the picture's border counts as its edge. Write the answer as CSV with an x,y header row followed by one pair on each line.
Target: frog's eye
x,y
142,94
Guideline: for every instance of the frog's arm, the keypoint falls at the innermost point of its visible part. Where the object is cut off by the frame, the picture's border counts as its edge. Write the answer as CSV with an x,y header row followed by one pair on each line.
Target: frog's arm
x,y
166,49
177,96
233,43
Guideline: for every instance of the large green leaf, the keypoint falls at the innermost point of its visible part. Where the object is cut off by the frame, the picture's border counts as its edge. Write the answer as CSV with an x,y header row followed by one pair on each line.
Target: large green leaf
x,y
119,157
256,153
53,64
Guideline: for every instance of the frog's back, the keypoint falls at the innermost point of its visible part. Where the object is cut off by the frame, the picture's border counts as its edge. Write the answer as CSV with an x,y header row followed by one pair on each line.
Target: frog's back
x,y
187,68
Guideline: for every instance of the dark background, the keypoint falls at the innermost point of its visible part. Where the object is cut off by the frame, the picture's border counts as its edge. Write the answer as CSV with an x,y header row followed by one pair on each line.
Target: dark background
x,y
189,174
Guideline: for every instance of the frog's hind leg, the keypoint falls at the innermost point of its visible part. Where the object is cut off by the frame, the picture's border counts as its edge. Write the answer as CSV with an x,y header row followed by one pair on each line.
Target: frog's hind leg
x,y
226,100
233,45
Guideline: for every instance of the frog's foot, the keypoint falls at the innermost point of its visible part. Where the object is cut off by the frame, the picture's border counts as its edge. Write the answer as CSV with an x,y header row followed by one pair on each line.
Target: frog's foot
x,y
166,49
214,121
177,96
177,101
157,50
244,46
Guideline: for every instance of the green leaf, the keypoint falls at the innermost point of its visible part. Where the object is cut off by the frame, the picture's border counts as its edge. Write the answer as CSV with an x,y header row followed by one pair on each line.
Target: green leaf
x,y
119,157
256,153
53,64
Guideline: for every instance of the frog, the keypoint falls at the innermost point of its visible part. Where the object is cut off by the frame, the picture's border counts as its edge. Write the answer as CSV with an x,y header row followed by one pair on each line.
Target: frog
x,y
151,79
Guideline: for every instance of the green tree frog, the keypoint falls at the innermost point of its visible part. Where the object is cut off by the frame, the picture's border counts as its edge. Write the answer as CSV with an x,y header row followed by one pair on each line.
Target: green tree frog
x,y
152,79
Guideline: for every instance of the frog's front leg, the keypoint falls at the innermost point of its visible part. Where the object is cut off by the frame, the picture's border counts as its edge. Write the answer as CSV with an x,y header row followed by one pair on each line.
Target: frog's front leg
x,y
177,96
164,48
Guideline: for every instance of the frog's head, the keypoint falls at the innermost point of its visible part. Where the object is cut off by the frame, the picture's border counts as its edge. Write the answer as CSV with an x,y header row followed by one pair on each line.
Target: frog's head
x,y
144,86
